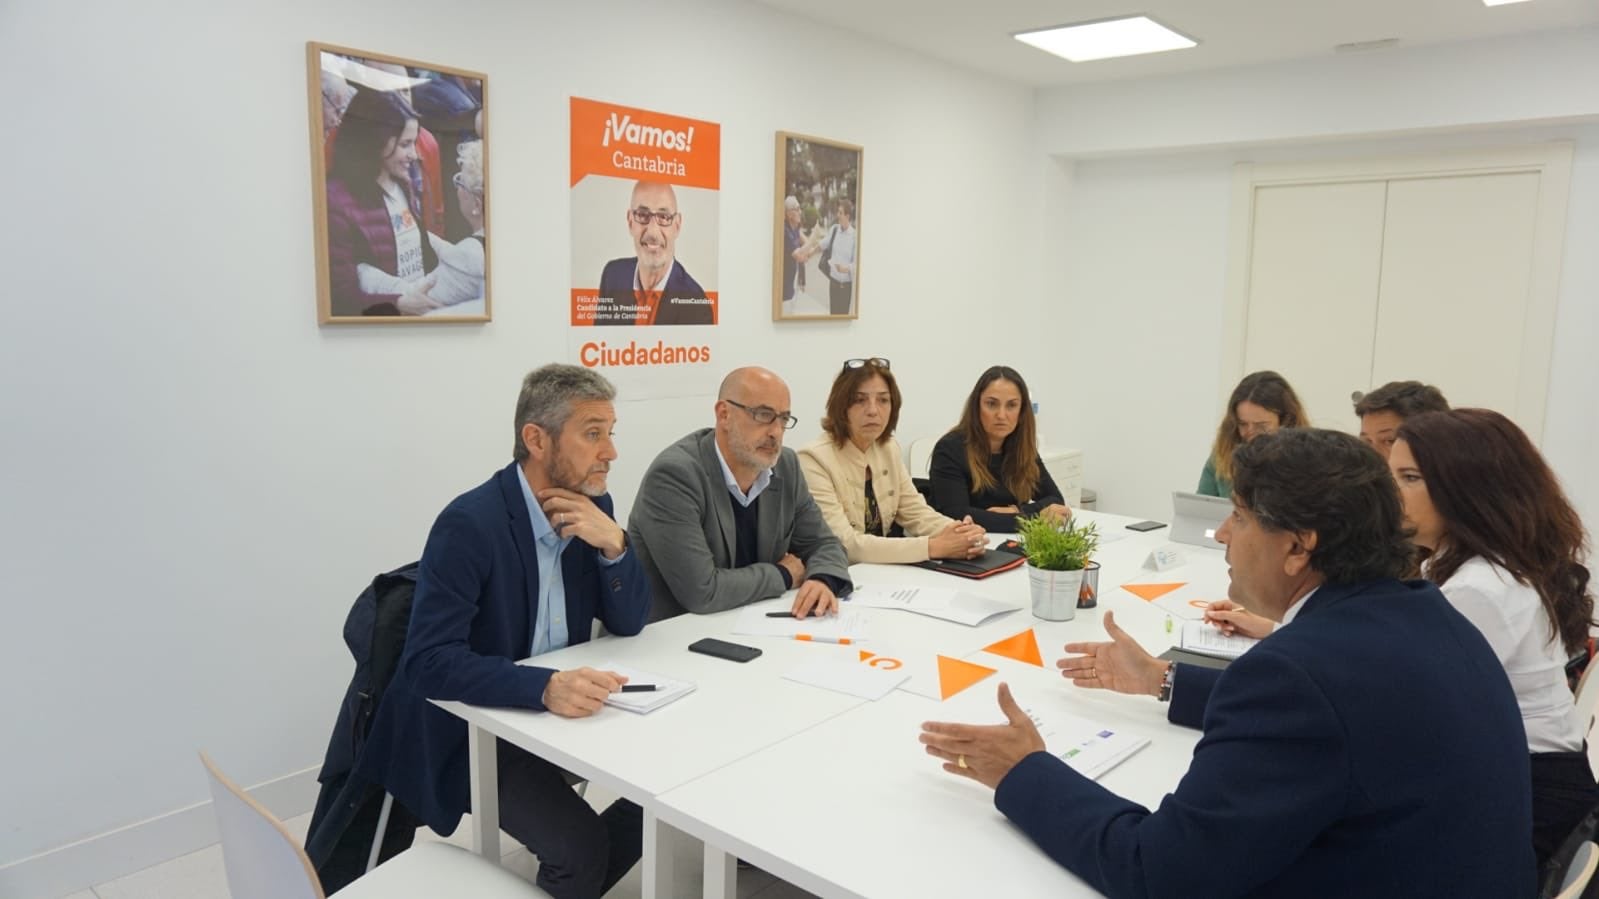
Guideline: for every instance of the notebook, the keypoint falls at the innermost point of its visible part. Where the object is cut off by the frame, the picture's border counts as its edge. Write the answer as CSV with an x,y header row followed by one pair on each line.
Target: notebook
x,y
1204,639
991,562
1193,658
666,690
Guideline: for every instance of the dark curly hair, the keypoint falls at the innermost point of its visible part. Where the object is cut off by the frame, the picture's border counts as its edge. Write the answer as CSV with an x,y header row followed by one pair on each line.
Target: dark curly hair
x,y
1308,479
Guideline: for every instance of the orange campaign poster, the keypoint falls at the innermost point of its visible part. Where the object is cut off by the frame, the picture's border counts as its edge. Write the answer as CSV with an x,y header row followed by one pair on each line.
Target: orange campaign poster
x,y
645,209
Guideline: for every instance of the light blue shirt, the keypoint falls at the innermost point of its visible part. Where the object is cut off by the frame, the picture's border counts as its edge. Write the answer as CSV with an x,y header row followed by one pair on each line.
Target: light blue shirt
x,y
549,622
762,480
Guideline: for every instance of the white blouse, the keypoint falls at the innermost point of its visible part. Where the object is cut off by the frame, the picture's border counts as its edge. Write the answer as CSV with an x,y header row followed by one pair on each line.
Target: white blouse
x,y
1511,616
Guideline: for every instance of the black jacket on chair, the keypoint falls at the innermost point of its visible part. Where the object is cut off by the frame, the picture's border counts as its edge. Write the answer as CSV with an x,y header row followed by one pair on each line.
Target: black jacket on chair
x,y
347,807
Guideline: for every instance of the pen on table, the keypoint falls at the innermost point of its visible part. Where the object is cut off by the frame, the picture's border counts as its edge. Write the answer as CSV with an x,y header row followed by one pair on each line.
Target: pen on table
x,y
638,688
1168,624
844,641
779,614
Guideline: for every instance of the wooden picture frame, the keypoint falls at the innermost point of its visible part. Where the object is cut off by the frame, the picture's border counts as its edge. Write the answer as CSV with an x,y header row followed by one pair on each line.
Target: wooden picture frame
x,y
818,181
401,219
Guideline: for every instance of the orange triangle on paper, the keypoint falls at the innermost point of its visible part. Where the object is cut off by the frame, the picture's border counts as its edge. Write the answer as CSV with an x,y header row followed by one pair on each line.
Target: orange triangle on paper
x,y
1150,592
1023,647
864,655
955,675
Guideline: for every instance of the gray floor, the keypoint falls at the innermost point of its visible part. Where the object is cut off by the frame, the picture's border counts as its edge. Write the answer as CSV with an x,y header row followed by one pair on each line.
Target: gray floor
x,y
200,875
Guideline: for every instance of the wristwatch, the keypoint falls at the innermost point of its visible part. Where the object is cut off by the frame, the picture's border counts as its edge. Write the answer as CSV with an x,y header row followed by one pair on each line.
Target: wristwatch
x,y
1166,681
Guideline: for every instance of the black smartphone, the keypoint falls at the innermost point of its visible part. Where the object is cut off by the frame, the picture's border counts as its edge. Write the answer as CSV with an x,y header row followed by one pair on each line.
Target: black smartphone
x,y
722,649
1146,525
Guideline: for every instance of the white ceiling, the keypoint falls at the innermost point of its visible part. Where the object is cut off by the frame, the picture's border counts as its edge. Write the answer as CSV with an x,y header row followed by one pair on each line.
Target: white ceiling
x,y
976,34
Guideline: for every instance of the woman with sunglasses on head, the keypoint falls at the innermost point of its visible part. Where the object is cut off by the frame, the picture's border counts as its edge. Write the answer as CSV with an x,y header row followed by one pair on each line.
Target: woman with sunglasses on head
x,y
859,481
371,211
1261,403
1502,542
988,468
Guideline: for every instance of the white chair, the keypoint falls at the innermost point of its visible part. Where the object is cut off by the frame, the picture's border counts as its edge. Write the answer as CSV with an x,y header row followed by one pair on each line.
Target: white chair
x,y
921,452
1587,696
1579,872
263,860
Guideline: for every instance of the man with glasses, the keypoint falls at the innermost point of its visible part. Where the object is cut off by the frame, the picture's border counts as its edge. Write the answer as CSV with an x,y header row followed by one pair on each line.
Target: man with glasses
x,y
723,516
652,287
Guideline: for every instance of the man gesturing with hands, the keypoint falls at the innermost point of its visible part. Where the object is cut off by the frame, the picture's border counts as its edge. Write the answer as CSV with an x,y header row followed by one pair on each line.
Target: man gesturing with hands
x,y
1334,752
519,566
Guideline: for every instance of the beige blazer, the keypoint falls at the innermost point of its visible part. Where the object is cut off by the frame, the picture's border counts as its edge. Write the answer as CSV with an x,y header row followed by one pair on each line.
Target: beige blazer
x,y
836,476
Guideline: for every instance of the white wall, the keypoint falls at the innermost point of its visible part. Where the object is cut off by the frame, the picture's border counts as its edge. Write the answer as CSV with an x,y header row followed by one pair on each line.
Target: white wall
x,y
1144,261
1138,206
197,479
1526,78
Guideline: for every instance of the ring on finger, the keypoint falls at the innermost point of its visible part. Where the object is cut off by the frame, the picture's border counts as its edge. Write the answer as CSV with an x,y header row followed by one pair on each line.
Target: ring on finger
x,y
960,761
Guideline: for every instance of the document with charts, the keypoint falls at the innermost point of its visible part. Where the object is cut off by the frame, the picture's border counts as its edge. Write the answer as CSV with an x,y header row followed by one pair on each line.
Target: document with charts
x,y
666,689
962,608
1206,640
1090,749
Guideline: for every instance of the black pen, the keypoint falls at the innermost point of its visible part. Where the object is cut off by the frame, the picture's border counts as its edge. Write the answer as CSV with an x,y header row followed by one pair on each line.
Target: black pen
x,y
638,688
779,614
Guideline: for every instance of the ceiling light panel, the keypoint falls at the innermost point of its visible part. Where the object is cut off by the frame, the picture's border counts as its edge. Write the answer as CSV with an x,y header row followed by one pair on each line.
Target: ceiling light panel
x,y
1108,39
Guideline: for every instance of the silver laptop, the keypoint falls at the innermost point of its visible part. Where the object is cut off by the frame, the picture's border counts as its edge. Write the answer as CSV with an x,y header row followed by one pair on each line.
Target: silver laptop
x,y
1195,518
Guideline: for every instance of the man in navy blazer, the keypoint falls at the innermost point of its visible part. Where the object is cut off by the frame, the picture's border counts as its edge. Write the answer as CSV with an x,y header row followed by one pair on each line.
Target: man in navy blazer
x,y
1371,746
653,277
488,593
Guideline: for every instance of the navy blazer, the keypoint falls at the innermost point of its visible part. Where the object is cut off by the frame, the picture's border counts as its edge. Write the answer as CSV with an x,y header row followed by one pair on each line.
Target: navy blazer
x,y
472,617
1373,747
616,283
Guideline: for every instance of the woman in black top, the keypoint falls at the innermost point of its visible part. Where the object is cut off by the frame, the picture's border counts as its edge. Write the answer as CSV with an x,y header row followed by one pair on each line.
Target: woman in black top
x,y
988,467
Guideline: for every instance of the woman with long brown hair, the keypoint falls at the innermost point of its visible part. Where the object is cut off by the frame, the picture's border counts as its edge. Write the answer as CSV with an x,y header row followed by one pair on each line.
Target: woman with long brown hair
x,y
1261,403
1503,543
988,466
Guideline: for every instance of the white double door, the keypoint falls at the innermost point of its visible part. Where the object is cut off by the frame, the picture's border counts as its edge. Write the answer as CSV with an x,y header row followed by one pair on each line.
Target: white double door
x,y
1432,270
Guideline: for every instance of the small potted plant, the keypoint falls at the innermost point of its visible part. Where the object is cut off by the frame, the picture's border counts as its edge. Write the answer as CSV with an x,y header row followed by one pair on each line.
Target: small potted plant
x,y
1056,555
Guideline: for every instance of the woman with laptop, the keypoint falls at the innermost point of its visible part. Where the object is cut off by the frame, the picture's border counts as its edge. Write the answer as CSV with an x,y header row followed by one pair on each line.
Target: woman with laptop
x,y
860,483
1261,403
988,468
1501,540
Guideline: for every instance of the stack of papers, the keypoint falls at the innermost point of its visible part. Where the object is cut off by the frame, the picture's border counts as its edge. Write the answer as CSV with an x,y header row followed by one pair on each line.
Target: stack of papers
x,y
1206,640
962,608
666,689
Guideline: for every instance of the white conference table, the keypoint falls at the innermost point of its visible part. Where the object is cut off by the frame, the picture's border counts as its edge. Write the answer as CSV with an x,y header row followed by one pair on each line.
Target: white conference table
x,y
828,791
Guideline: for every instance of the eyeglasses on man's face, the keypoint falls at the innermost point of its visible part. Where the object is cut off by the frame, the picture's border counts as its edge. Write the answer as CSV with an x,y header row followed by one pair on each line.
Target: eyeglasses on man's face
x,y
644,216
874,361
459,180
765,415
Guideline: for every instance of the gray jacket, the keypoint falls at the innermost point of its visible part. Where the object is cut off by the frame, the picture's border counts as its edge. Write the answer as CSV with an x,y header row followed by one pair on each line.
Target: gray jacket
x,y
682,528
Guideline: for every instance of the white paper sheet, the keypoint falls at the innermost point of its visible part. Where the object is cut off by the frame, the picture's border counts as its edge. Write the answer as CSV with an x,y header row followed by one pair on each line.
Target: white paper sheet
x,y
848,676
1090,749
1206,640
848,624
969,609
666,689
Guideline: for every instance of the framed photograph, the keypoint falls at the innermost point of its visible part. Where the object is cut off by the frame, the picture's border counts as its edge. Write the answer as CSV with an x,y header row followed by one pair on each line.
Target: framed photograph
x,y
816,251
399,181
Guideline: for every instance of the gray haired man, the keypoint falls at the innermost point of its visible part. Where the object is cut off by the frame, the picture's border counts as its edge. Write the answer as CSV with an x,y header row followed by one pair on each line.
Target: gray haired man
x,y
519,566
